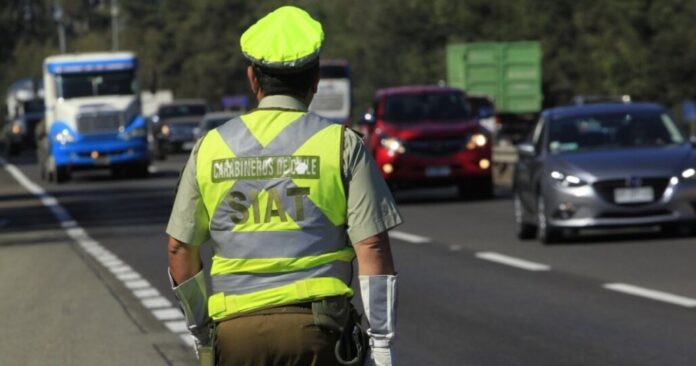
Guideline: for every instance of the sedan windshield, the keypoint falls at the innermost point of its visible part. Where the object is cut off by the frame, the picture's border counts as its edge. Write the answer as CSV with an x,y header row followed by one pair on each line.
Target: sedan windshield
x,y
440,106
613,131
95,84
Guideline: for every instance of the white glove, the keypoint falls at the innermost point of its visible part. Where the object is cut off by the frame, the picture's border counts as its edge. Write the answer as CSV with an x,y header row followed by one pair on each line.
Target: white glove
x,y
379,301
379,357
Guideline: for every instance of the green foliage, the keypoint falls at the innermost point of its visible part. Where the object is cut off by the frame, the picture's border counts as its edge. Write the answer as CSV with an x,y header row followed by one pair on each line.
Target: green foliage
x,y
639,47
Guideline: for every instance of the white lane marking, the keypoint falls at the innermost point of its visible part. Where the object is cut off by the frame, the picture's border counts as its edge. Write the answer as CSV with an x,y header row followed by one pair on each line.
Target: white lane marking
x,y
188,339
512,261
152,169
156,302
160,307
137,284
411,238
146,292
127,276
178,326
456,247
651,294
167,314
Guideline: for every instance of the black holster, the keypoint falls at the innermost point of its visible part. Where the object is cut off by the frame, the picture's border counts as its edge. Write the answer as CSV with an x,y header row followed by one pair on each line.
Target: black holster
x,y
337,315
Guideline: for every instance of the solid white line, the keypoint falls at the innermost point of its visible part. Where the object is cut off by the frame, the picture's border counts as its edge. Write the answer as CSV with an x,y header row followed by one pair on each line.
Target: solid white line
x,y
188,339
411,238
512,261
456,247
651,294
140,288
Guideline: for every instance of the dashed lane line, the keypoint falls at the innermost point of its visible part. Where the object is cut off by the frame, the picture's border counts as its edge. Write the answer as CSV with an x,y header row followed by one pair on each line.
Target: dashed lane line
x,y
651,294
512,261
149,296
411,238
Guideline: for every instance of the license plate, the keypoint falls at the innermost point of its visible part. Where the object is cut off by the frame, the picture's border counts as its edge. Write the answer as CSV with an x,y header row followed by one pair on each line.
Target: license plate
x,y
187,145
437,171
634,195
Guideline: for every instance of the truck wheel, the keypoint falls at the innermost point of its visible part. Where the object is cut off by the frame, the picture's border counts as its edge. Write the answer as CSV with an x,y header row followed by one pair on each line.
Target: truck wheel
x,y
57,174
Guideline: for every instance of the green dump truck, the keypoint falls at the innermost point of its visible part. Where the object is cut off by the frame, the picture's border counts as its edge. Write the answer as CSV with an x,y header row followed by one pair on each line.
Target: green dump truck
x,y
509,72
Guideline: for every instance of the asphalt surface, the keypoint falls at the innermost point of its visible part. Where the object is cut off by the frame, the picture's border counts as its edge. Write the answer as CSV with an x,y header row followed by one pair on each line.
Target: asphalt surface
x,y
458,304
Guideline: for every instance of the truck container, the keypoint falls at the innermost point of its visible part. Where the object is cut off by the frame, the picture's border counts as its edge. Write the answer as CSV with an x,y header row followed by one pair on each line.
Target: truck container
x,y
509,72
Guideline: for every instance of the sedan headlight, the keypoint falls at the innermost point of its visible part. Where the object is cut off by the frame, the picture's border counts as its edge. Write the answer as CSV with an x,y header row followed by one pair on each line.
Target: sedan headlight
x,y
393,145
567,180
476,140
64,137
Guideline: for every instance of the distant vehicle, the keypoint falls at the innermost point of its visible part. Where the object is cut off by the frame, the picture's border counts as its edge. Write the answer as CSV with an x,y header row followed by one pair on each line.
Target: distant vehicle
x,y
426,136
333,97
483,108
25,109
213,120
603,165
174,123
93,117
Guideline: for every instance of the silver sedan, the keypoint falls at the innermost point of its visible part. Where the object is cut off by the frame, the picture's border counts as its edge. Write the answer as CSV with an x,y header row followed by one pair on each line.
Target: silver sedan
x,y
603,165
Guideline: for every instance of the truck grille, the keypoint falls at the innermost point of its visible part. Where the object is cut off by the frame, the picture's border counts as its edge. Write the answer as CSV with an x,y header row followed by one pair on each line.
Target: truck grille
x,y
99,122
434,147
605,188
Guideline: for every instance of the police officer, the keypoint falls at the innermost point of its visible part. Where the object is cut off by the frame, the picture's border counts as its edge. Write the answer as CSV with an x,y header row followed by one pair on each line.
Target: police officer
x,y
287,200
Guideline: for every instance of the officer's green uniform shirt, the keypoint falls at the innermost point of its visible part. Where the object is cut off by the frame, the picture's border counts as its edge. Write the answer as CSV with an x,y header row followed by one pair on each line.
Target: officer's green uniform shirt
x,y
370,206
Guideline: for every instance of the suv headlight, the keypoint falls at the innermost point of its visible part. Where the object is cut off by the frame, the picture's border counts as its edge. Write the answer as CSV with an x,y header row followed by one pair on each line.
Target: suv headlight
x,y
64,137
567,180
476,140
688,173
393,145
17,128
165,130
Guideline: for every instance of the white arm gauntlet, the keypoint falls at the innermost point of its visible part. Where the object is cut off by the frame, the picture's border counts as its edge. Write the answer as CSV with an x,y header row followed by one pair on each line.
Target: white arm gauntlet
x,y
379,301
193,298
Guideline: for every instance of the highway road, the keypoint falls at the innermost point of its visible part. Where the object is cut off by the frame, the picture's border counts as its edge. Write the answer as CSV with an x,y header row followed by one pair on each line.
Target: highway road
x,y
470,293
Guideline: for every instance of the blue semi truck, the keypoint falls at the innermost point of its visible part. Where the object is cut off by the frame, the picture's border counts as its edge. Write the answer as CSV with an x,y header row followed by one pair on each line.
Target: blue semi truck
x,y
93,116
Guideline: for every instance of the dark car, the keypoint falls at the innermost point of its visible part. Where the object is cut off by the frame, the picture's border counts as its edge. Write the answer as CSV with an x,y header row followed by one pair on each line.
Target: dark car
x,y
603,165
174,124
213,120
427,136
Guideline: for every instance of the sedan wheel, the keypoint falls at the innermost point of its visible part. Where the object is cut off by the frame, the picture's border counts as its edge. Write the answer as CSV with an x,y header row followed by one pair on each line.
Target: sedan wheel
x,y
546,233
522,229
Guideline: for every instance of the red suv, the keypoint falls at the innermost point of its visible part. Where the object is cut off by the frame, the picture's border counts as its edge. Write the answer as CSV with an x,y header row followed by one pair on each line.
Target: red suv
x,y
426,136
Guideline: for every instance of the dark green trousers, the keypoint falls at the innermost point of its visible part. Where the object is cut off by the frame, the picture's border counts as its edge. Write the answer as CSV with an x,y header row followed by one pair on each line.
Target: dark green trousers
x,y
280,336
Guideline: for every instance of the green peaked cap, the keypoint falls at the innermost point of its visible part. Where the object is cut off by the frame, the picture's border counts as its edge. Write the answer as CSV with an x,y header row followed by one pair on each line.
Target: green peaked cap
x,y
286,39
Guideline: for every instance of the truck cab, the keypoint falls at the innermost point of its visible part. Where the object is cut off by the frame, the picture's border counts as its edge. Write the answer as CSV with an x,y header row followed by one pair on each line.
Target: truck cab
x,y
93,116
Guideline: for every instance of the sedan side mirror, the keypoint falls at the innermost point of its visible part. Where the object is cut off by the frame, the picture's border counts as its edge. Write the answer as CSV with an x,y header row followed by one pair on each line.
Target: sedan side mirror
x,y
526,150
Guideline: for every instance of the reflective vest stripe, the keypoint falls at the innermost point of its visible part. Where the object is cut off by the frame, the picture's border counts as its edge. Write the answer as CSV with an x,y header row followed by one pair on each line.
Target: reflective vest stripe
x,y
243,283
221,305
223,266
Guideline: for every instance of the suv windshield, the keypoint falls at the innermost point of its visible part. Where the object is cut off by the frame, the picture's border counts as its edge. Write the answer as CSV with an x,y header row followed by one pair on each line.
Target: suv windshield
x,y
182,110
438,106
94,84
613,131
